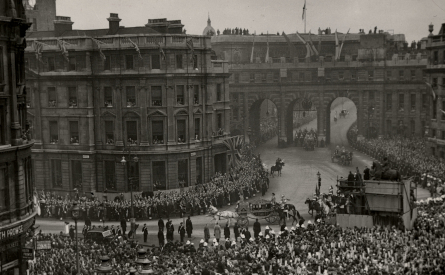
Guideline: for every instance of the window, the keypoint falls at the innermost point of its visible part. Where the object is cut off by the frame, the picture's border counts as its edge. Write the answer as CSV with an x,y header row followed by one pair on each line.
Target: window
x,y
51,64
155,62
107,63
181,131
129,62
443,136
130,94
133,175
74,132
443,110
72,63
235,112
76,173
108,96
412,127
401,102
132,132
183,173
218,92
434,84
159,176
110,174
56,172
109,132
252,78
196,94
413,101
180,95
435,57
219,121
433,133
179,61
52,97
423,127
413,75
195,62
388,75
388,102
401,75
371,96
34,24
264,77
2,76
199,170
156,96
370,75
53,132
157,129
301,77
341,75
197,129
388,127
424,101
72,94
276,76
3,124
4,182
435,109
236,75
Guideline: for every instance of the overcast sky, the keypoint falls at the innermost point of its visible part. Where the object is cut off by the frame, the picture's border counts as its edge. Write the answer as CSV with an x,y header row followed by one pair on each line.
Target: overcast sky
x,y
410,17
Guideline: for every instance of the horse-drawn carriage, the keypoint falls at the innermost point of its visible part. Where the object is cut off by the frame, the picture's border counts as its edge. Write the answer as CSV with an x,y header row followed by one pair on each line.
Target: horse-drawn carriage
x,y
309,143
343,113
258,209
344,157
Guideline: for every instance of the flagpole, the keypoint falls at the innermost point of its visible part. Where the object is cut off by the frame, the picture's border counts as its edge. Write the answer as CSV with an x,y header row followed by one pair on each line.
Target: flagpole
x,y
305,15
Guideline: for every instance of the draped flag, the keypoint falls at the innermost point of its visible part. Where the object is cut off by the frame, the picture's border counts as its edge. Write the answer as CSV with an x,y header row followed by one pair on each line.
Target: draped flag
x,y
342,42
308,47
267,52
136,48
161,52
433,93
189,43
292,49
38,47
304,11
102,55
62,48
234,145
314,50
253,47
36,203
337,49
443,112
319,44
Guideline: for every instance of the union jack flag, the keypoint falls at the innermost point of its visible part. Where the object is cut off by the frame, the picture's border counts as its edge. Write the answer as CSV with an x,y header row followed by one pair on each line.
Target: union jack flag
x,y
136,48
62,48
234,146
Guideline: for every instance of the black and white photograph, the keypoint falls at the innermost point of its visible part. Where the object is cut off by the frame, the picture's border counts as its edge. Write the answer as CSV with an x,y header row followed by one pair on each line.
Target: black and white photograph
x,y
206,137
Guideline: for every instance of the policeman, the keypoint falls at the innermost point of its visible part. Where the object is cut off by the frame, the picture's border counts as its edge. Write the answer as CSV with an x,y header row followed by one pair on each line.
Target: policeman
x,y
145,231
273,200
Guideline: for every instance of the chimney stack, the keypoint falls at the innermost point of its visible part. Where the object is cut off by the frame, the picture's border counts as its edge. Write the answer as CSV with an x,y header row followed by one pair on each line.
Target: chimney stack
x,y
62,24
113,22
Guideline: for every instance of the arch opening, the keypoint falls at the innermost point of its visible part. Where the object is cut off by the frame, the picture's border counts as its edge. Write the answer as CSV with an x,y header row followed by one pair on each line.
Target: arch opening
x,y
263,121
301,113
340,116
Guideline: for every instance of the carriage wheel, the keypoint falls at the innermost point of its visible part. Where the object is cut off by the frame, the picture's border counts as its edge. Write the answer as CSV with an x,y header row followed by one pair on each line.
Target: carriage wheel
x,y
243,221
273,218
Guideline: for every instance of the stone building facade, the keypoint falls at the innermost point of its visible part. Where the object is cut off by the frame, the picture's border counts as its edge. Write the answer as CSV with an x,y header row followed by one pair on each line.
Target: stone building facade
x,y
17,214
98,96
435,72
41,14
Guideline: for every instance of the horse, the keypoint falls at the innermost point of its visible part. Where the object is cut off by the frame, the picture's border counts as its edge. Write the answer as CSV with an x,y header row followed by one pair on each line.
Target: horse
x,y
229,215
319,207
277,168
291,212
389,174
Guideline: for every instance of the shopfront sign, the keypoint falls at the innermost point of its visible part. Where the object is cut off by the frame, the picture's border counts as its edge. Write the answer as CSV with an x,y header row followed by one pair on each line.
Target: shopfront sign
x,y
43,245
28,253
11,232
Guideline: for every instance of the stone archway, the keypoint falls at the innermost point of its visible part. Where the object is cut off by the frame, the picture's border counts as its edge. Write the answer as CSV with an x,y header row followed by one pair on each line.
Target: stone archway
x,y
256,114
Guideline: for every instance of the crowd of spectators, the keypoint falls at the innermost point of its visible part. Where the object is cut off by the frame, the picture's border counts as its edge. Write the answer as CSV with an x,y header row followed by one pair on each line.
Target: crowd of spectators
x,y
313,248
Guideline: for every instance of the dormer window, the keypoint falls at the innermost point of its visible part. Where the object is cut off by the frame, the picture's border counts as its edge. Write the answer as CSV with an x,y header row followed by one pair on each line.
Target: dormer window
x,y
52,97
72,94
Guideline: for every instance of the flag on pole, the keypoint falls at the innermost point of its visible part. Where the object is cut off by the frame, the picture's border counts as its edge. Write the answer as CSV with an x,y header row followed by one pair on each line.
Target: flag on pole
x,y
433,93
314,50
342,42
102,55
253,47
308,47
62,48
337,49
38,47
136,48
304,11
161,51
267,52
292,49
36,203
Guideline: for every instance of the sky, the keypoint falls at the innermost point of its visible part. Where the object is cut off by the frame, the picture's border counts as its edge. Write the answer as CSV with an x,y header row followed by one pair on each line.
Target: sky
x,y
410,17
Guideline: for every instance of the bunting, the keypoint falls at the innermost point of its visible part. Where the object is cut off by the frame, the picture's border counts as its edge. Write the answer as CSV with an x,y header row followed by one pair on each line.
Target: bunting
x,y
61,44
98,43
189,43
267,52
342,42
433,93
38,47
136,48
234,145
292,49
337,49
253,47
319,44
36,203
443,112
315,51
309,52
161,51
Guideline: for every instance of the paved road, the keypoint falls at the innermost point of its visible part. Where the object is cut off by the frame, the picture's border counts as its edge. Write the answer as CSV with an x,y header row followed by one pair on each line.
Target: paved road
x,y
297,181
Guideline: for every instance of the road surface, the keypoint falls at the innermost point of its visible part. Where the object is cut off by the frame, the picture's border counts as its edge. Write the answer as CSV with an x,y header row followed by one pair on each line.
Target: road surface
x,y
298,180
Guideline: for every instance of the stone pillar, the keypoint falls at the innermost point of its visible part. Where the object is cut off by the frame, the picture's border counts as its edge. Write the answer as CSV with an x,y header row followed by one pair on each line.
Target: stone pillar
x,y
118,103
171,119
321,117
246,115
16,138
88,61
143,105
360,115
282,122
90,116
382,112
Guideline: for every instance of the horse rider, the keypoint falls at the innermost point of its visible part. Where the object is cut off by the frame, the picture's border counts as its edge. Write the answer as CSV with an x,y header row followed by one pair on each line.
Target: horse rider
x,y
337,150
278,162
283,204
331,191
385,165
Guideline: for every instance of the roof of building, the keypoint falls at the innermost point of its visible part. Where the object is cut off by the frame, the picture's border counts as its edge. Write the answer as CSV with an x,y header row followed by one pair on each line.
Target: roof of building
x,y
92,33
209,30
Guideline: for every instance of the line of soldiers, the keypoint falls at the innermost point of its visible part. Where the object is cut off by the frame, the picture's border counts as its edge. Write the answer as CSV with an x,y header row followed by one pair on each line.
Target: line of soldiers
x,y
304,135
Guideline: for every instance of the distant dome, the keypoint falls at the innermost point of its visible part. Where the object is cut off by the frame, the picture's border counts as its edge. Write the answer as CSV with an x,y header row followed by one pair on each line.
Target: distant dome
x,y
209,30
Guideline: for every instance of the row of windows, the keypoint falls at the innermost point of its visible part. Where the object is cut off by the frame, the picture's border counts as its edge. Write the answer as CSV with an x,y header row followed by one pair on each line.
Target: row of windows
x,y
131,98
132,170
8,180
131,62
437,134
131,131
401,106
402,129
438,60
435,110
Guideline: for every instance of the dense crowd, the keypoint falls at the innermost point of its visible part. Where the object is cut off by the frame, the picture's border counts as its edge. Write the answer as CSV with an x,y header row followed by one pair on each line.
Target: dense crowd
x,y
314,248
268,128
245,181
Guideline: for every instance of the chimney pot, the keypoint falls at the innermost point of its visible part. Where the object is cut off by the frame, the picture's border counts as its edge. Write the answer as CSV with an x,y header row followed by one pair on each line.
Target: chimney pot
x,y
113,23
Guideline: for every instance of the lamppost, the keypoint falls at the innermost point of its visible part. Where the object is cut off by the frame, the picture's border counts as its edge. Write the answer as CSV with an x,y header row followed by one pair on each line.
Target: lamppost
x,y
370,113
319,181
75,211
130,183
402,135
105,266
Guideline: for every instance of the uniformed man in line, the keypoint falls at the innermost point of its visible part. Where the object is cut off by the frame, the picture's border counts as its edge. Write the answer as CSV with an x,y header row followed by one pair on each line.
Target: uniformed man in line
x,y
145,231
273,200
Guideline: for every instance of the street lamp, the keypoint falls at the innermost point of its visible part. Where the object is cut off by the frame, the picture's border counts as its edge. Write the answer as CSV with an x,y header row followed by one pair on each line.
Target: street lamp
x,y
75,212
105,266
319,181
135,159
